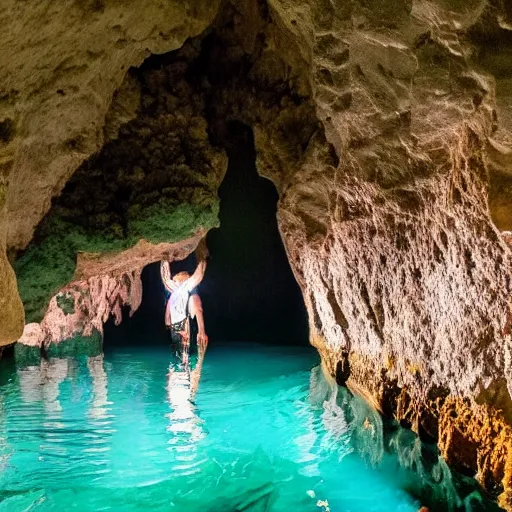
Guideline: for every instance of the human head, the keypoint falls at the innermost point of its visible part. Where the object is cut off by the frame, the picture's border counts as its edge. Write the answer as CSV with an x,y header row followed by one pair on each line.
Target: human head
x,y
180,277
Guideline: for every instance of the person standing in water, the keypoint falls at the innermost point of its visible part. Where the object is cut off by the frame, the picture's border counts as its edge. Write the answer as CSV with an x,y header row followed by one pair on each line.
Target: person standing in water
x,y
182,305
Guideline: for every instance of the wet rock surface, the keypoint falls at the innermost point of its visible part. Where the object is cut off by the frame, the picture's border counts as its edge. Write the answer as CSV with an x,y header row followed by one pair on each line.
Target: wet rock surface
x,y
386,128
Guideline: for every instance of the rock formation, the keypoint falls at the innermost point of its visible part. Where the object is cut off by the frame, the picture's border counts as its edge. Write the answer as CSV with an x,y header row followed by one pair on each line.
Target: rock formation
x,y
386,128
60,68
101,287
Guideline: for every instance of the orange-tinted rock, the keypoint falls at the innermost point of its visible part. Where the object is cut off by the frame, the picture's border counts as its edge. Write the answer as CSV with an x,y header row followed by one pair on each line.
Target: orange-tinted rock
x,y
11,308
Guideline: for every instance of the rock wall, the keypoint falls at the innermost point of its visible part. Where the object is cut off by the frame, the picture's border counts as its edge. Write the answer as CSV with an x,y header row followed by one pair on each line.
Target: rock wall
x,y
386,128
63,65
405,275
82,308
156,179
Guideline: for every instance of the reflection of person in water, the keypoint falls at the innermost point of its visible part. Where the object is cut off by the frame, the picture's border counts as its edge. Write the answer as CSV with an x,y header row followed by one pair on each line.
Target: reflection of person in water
x,y
98,374
183,305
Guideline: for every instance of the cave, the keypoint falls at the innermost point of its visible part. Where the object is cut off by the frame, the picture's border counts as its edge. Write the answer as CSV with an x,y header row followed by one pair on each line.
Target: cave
x,y
249,292
347,164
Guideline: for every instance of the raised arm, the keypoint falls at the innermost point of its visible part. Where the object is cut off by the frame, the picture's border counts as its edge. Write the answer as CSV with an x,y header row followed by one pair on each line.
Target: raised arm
x,y
197,276
165,273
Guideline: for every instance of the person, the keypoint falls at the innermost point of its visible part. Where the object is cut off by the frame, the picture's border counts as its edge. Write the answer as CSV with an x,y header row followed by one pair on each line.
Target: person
x,y
183,304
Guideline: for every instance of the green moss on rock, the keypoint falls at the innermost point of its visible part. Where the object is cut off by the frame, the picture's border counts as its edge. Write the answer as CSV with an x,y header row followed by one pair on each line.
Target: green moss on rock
x,y
66,303
26,356
161,222
44,268
77,346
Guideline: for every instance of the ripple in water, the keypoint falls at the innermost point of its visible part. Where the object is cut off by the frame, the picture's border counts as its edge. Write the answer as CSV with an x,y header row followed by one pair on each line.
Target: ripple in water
x,y
266,433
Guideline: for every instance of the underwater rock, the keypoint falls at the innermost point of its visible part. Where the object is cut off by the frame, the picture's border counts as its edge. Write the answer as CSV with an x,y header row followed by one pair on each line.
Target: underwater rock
x,y
382,443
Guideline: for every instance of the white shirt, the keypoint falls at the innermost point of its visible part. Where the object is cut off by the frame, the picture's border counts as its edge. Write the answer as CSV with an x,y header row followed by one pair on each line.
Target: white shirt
x,y
178,302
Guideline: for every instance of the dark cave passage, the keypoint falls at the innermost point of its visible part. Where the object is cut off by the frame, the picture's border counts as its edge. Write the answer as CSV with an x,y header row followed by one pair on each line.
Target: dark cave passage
x,y
249,292
146,326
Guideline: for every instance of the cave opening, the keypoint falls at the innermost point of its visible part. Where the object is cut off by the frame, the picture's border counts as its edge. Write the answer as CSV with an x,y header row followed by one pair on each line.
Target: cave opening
x,y
249,292
174,124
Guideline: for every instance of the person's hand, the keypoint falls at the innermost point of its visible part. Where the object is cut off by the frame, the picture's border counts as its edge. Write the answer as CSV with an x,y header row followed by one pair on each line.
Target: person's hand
x,y
202,341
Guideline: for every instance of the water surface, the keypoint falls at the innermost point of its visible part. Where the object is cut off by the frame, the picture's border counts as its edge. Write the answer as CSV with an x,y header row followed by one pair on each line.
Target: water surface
x,y
265,433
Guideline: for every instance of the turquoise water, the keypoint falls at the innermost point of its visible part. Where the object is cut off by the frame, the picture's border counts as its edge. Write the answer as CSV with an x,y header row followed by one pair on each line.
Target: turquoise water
x,y
265,433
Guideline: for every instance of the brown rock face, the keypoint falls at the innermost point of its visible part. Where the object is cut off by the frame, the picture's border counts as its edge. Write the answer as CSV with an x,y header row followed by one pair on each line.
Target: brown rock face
x,y
61,83
58,79
406,278
11,308
386,127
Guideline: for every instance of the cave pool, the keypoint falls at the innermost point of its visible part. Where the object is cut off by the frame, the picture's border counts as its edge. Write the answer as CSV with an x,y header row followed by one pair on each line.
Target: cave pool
x,y
265,433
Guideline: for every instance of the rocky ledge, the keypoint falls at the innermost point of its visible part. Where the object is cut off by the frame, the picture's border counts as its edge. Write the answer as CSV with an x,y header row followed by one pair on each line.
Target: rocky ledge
x,y
102,285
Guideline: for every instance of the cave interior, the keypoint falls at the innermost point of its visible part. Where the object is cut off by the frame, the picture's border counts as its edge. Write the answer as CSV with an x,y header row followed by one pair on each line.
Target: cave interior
x,y
249,293
247,119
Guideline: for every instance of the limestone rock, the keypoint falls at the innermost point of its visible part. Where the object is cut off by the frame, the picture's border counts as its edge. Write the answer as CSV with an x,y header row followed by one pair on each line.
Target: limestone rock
x,y
33,336
156,179
63,65
60,67
405,275
387,130
102,286
11,308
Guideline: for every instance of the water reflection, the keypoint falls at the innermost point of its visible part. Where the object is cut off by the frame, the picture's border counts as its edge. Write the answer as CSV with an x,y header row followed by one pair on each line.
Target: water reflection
x,y
41,383
256,437
185,427
98,408
386,446
4,449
